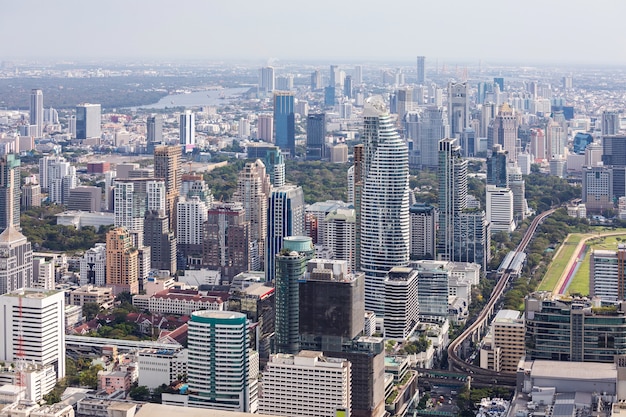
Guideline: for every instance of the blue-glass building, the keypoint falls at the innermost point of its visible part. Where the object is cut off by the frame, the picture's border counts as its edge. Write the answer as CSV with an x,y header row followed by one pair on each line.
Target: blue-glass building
x,y
284,122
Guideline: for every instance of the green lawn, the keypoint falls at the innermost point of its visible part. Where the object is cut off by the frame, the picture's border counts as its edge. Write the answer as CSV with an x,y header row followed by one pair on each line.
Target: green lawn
x,y
580,282
559,262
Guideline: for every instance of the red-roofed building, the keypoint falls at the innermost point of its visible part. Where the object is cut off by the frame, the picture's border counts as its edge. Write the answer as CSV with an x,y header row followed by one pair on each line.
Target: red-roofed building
x,y
174,301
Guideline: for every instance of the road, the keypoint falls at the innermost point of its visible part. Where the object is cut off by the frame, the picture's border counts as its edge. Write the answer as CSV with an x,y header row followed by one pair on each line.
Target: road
x,y
455,362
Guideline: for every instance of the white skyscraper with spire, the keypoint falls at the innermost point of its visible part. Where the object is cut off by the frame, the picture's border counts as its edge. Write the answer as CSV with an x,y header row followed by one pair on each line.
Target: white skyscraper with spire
x,y
384,208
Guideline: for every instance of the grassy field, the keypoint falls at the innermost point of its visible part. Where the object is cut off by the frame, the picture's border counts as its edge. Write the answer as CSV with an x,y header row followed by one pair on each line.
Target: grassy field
x,y
580,281
559,262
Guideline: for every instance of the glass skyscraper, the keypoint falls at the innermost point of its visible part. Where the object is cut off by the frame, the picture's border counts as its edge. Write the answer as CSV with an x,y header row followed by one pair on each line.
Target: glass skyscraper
x,y
384,209
284,121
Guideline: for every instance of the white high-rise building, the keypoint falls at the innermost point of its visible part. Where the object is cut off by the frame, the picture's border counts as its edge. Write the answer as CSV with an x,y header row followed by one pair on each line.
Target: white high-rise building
x,y
220,373
339,232
132,198
423,228
187,129
384,214
93,266
36,112
500,209
88,121
16,261
43,273
37,332
266,80
307,384
401,303
556,138
191,213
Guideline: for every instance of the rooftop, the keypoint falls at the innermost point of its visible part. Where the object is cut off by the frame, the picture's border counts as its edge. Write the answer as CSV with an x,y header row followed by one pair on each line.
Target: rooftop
x,y
160,410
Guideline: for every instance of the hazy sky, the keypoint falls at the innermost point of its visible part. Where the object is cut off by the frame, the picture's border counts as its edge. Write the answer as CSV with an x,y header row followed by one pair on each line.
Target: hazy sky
x,y
523,31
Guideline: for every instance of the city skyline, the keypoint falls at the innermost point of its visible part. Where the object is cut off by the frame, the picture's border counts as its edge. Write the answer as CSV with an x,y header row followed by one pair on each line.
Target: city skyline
x,y
164,31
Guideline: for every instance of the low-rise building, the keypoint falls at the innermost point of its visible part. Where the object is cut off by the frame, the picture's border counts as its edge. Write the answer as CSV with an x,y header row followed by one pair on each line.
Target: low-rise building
x,y
103,296
181,302
161,366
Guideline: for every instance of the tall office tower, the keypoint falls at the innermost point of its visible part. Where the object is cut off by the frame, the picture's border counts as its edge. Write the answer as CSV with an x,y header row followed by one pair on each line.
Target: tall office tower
x,y
432,127
433,288
469,141
154,132
401,303
499,81
316,80
338,230
133,197
316,137
496,168
284,82
226,242
187,128
167,166
357,189
68,183
473,238
291,263
265,127
452,175
36,112
422,231
358,74
556,139
610,123
122,261
253,191
404,101
31,195
593,155
219,371
517,184
606,274
9,191
333,78
350,178
505,131
16,266
43,273
266,80
384,205
162,241
93,266
52,169
308,384
33,327
347,87
614,150
411,126
88,121
597,192
538,146
85,198
487,114
284,122
285,217
500,209
458,108
421,69
191,216
275,167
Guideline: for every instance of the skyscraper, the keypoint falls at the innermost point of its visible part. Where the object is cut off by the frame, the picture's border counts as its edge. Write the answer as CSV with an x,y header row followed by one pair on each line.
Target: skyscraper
x,y
291,264
284,121
275,166
423,231
226,242
452,175
265,127
384,205
88,120
122,261
191,216
497,168
9,191
316,137
458,108
253,191
421,69
285,217
401,303
167,166
154,132
610,122
505,131
187,133
133,197
36,112
16,256
220,373
432,126
266,80
33,320
161,240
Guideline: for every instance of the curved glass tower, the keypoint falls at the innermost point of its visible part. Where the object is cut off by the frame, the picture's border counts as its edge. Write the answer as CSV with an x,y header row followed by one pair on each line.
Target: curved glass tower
x,y
384,206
